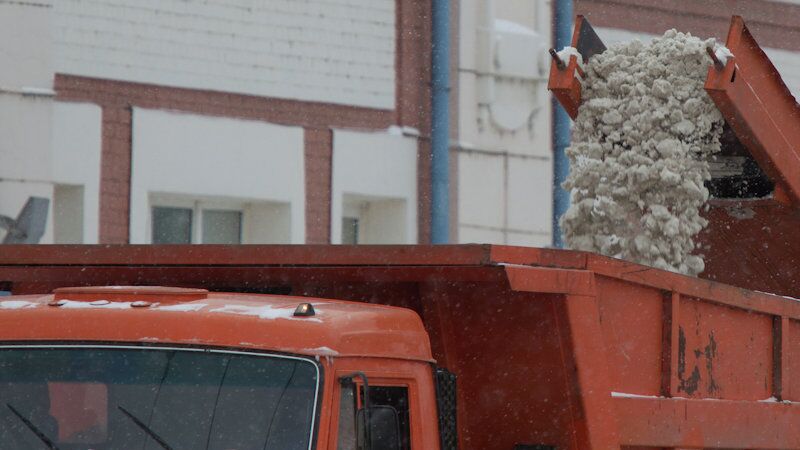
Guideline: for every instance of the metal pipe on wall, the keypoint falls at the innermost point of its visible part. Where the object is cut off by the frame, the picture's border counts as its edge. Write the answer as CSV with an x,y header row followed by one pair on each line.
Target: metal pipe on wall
x,y
440,122
562,25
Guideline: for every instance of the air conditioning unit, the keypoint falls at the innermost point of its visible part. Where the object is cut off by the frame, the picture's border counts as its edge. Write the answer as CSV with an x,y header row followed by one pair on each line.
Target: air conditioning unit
x,y
511,64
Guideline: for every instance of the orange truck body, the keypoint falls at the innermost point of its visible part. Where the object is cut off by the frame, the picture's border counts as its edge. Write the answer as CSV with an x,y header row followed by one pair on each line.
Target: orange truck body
x,y
744,237
552,349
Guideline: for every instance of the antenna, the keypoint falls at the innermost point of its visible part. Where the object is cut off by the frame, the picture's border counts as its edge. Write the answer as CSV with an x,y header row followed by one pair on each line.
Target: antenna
x,y
29,226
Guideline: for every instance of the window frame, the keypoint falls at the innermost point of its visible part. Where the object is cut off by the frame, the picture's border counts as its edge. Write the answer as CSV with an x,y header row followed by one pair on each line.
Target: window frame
x,y
407,381
320,382
197,205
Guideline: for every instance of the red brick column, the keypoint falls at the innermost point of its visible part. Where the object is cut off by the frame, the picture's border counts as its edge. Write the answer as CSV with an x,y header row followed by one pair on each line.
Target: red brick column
x,y
115,175
318,154
413,100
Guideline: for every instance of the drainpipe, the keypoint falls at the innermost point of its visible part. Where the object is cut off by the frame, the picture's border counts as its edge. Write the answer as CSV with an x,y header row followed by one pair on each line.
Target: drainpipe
x,y
561,133
440,122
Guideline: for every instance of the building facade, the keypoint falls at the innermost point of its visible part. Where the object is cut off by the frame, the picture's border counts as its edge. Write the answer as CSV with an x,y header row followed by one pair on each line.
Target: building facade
x,y
218,122
281,121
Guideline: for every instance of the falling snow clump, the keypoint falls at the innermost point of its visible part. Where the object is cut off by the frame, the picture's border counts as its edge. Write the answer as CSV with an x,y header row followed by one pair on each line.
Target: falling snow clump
x,y
639,152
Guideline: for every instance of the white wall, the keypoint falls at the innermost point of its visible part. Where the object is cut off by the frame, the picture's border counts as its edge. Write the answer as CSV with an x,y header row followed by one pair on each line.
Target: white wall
x,y
26,107
381,169
224,159
25,44
336,51
504,142
77,144
64,169
25,66
67,207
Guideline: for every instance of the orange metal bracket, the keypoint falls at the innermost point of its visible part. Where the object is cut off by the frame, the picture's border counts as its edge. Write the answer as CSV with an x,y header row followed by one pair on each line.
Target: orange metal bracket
x,y
759,108
564,81
566,86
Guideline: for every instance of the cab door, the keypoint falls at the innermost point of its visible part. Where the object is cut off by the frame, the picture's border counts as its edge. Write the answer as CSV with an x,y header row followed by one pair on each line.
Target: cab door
x,y
401,389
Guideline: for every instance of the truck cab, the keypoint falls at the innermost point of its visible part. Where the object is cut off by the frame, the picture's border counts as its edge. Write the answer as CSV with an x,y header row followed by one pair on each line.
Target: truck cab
x,y
157,367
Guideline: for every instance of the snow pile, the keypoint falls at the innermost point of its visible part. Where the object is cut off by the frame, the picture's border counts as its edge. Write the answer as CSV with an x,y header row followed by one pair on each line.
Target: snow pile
x,y
638,155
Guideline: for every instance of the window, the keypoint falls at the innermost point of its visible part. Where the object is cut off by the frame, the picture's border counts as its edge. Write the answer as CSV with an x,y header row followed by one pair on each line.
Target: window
x,y
123,398
172,225
349,230
373,220
176,219
178,226
395,397
222,227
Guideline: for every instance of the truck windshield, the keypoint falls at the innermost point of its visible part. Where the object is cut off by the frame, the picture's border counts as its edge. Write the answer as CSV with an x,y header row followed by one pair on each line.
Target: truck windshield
x,y
97,398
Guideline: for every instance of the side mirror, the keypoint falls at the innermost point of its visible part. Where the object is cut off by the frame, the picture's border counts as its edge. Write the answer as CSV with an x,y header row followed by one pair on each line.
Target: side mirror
x,y
383,432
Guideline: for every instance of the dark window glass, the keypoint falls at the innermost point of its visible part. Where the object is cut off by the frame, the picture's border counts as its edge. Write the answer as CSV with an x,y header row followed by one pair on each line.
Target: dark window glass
x,y
394,396
88,398
397,398
222,226
172,225
349,230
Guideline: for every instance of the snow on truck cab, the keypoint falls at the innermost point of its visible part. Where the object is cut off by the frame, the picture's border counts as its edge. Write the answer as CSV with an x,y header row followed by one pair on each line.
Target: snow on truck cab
x,y
156,367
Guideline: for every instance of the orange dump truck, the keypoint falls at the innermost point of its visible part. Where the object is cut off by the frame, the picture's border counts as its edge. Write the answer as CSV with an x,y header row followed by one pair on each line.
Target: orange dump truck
x,y
307,345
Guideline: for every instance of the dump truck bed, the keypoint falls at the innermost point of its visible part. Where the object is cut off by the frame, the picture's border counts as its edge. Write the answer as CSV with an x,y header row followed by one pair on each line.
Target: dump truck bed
x,y
556,348
750,238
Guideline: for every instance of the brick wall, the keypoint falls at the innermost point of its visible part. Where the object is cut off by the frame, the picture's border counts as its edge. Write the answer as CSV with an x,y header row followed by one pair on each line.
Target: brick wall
x,y
117,97
413,94
333,51
413,109
318,146
774,24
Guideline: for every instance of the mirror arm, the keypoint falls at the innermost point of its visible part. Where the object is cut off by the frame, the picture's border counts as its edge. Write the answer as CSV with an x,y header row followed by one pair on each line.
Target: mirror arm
x,y
367,431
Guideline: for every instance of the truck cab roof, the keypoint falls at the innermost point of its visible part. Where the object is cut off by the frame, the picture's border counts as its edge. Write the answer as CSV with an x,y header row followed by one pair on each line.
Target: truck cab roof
x,y
199,318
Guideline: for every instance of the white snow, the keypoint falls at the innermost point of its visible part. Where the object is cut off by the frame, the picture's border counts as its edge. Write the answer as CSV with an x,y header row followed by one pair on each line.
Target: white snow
x,y
99,304
639,153
566,52
627,395
17,304
776,295
723,53
262,312
182,307
321,351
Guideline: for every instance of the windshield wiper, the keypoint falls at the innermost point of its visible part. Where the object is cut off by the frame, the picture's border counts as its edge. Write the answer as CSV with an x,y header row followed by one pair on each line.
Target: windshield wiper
x,y
42,437
146,429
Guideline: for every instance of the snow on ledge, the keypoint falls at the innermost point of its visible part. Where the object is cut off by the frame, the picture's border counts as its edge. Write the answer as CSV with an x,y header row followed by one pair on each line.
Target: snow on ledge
x,y
627,395
263,312
321,351
182,307
17,304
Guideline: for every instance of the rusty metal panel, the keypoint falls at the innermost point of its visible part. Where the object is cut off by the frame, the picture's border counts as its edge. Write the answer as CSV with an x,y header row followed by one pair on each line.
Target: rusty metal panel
x,y
753,244
723,352
515,377
222,255
708,424
791,380
628,313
